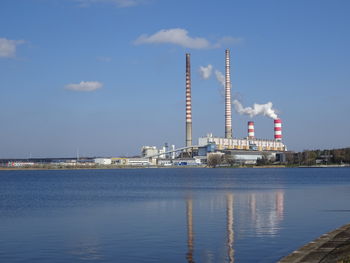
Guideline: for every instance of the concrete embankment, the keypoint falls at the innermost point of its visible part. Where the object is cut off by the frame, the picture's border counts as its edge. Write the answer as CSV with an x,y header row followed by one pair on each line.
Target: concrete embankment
x,y
331,247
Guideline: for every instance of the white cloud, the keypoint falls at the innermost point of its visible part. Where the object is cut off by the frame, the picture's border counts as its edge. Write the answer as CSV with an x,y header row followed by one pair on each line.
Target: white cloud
x,y
206,71
177,36
8,47
85,86
118,3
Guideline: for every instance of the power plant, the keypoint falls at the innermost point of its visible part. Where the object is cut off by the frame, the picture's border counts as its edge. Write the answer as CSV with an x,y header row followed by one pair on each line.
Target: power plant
x,y
245,150
248,143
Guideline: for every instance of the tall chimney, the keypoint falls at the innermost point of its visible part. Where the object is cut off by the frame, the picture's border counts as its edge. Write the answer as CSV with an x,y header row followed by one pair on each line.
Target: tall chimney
x,y
278,129
188,102
251,132
228,118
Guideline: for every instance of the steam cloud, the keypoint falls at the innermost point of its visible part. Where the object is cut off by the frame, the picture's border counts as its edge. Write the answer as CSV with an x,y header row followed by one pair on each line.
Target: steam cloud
x,y
220,77
257,109
206,71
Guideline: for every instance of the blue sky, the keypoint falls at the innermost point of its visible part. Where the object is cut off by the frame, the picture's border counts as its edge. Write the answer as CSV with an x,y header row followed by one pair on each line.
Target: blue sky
x,y
95,75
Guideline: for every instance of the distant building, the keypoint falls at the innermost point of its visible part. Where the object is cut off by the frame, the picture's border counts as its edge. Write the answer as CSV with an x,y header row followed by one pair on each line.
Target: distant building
x,y
103,161
19,164
241,144
120,161
148,151
139,161
165,162
187,161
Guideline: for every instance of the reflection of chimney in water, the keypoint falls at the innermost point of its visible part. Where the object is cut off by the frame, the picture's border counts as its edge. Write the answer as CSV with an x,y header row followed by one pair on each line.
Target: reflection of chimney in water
x,y
230,233
279,204
252,205
189,255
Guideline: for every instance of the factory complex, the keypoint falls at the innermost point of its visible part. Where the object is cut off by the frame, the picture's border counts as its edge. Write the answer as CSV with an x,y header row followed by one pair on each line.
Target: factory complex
x,y
241,151
244,151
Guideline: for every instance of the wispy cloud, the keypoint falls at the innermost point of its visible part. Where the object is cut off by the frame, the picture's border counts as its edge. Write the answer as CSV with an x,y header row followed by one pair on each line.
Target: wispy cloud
x,y
118,3
206,71
228,41
8,47
104,59
180,37
84,86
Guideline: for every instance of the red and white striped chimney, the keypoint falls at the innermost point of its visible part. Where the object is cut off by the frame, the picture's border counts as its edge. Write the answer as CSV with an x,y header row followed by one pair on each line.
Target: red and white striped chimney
x,y
228,118
188,102
278,129
251,132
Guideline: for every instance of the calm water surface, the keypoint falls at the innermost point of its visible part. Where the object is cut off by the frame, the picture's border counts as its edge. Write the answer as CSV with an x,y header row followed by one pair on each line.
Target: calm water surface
x,y
167,215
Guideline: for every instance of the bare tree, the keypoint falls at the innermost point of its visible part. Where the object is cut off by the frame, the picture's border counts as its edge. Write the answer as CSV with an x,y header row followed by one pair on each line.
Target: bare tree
x,y
229,159
214,159
265,159
290,158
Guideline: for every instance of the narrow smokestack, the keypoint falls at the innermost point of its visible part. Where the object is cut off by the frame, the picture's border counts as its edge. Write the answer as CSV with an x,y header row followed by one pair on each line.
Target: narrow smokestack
x,y
278,129
251,132
188,102
228,117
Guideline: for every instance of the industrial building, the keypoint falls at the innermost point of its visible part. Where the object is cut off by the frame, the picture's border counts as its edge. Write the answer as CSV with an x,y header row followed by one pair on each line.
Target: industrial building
x,y
103,161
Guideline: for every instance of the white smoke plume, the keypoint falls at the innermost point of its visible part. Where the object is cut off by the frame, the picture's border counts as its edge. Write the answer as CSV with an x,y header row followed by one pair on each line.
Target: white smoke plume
x,y
220,77
257,109
206,71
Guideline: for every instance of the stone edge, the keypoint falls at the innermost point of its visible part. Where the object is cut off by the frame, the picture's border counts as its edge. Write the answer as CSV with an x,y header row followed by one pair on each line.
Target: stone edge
x,y
298,255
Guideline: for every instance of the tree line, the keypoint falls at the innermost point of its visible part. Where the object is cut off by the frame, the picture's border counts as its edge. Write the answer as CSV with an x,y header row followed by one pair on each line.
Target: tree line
x,y
306,157
314,157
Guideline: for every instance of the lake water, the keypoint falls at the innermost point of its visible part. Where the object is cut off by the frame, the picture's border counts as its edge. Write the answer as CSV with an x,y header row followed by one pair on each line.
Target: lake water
x,y
168,215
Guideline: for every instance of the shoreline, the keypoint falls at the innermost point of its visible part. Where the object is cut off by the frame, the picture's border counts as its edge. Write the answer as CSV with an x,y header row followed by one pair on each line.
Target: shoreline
x,y
333,246
165,167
